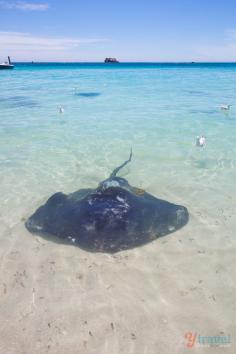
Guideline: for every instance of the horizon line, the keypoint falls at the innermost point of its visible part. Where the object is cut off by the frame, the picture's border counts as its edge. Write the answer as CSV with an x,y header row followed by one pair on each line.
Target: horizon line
x,y
123,62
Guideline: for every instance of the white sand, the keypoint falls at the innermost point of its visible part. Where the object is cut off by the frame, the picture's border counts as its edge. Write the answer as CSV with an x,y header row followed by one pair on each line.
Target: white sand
x,y
60,299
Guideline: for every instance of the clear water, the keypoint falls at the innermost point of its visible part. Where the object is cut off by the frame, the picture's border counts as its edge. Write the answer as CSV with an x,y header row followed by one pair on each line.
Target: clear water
x,y
58,298
157,109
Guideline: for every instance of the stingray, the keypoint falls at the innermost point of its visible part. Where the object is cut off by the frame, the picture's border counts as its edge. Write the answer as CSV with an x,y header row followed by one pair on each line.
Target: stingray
x,y
88,94
112,217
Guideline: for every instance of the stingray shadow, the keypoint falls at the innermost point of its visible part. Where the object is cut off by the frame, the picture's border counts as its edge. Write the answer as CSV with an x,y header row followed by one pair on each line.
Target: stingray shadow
x,y
19,101
203,111
196,93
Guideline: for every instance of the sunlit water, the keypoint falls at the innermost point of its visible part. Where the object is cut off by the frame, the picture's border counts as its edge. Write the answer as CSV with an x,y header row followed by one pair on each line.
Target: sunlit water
x,y
57,298
156,109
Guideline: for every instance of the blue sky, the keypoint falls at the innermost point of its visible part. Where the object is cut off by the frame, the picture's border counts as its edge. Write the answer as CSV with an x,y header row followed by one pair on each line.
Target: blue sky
x,y
131,30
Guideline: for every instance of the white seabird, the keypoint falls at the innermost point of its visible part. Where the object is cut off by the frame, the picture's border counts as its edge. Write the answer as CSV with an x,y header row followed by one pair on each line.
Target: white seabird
x,y
225,107
201,141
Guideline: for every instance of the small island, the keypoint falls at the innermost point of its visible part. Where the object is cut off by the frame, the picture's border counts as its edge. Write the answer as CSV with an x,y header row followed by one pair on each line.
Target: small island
x,y
111,60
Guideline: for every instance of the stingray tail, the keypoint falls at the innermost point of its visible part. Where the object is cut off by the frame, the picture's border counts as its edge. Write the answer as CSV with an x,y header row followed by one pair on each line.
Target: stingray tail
x,y
117,169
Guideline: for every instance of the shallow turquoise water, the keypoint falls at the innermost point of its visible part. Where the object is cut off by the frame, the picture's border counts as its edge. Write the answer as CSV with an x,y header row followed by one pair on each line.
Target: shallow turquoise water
x,y
158,109
61,299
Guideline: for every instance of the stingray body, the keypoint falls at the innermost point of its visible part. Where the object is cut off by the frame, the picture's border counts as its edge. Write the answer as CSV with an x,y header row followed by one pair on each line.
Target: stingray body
x,y
113,217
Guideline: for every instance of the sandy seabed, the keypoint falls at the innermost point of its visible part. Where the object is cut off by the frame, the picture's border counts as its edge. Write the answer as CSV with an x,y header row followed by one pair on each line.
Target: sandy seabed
x,y
57,298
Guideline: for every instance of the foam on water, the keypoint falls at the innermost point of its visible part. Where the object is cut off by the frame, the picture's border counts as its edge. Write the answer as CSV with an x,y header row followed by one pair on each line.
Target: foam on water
x,y
157,109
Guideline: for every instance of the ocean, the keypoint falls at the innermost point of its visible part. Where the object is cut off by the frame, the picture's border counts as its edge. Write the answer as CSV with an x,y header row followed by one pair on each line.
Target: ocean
x,y
157,109
58,298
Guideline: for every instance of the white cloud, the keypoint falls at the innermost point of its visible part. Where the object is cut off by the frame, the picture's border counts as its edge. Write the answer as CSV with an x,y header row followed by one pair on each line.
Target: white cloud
x,y
14,40
26,6
25,46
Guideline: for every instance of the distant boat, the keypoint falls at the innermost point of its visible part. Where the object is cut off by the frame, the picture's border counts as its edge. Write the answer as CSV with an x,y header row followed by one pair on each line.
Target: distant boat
x,y
7,65
111,60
